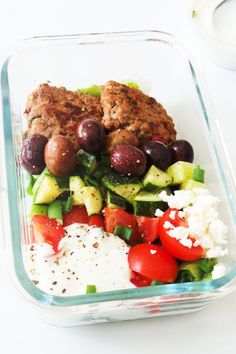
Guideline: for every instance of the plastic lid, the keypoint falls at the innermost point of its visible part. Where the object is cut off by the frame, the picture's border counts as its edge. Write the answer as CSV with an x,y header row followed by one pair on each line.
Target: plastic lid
x,y
214,25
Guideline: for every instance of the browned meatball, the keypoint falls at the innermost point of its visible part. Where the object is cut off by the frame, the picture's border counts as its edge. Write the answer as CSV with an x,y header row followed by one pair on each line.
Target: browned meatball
x,y
130,109
54,110
121,137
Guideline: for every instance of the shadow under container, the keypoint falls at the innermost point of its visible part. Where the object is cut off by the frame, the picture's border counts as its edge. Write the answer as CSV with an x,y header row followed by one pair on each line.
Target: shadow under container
x,y
147,57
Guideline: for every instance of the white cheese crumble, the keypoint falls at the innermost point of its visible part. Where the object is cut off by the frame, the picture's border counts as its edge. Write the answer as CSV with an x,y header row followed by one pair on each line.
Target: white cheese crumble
x,y
219,270
159,213
199,208
87,255
167,225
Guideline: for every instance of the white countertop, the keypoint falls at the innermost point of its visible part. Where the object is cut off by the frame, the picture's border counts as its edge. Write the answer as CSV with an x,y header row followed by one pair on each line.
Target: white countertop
x,y
209,331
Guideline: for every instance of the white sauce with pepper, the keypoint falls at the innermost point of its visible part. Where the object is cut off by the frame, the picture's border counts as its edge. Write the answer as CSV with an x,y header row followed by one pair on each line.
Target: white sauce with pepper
x,y
88,256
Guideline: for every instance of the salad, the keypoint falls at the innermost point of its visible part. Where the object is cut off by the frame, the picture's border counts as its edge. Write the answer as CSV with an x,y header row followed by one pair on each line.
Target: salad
x,y
117,201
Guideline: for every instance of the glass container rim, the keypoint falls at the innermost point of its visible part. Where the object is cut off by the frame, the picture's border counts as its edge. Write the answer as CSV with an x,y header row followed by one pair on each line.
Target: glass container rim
x,y
138,293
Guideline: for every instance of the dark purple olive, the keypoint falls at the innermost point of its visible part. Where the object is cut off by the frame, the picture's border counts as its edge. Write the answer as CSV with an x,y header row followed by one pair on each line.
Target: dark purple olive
x,y
181,150
90,135
157,154
129,160
32,154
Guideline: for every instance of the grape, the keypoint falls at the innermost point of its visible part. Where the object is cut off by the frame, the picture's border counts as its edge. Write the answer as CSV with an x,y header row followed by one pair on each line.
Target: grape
x,y
181,150
32,154
129,160
90,135
157,154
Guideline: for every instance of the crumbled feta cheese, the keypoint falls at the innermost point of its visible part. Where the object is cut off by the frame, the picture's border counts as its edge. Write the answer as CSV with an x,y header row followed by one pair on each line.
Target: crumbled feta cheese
x,y
178,200
199,208
168,225
187,242
179,232
172,214
219,270
216,252
159,213
182,234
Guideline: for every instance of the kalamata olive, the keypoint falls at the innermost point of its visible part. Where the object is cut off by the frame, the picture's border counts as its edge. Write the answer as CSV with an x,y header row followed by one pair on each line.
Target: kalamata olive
x,y
157,154
90,135
181,150
128,159
60,156
32,154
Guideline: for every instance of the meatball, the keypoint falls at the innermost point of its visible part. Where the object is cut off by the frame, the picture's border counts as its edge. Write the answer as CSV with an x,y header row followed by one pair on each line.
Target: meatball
x,y
121,137
130,109
54,110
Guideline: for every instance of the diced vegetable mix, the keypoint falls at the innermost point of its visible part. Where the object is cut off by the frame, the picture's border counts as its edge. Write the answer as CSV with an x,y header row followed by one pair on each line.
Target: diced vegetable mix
x,y
111,190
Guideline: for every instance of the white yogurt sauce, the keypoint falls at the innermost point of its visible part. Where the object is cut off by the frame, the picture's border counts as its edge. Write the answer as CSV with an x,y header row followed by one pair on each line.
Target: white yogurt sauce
x,y
88,256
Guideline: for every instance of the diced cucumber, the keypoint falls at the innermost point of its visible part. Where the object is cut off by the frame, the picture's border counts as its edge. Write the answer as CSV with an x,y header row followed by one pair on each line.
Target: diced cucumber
x,y
124,186
189,271
63,183
146,203
55,210
87,160
90,181
156,178
92,200
115,201
39,180
181,171
190,184
31,182
47,191
38,209
76,185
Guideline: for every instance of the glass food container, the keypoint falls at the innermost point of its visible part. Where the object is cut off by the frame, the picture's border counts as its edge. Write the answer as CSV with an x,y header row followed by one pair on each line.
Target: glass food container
x,y
74,61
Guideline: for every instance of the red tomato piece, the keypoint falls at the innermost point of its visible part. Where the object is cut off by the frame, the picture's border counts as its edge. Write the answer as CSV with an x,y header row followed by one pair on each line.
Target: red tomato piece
x,y
171,244
153,262
148,228
47,230
76,215
139,280
114,217
96,220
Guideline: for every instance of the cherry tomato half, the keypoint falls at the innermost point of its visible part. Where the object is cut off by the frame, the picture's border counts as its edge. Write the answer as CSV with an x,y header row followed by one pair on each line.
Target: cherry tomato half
x,y
139,280
171,244
153,262
114,217
47,230
148,228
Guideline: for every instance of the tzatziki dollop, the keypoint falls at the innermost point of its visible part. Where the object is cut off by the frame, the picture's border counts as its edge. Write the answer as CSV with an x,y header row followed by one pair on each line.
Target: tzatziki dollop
x,y
87,255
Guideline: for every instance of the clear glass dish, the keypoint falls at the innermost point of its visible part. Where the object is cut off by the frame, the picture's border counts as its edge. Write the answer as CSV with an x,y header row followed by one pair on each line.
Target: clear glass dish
x,y
78,61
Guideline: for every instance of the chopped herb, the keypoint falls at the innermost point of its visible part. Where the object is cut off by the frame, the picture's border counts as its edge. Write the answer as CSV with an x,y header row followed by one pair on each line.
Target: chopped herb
x,y
194,13
123,232
91,289
198,174
156,282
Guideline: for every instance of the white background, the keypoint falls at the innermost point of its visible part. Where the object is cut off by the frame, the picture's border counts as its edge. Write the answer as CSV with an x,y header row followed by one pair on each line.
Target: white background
x,y
209,331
